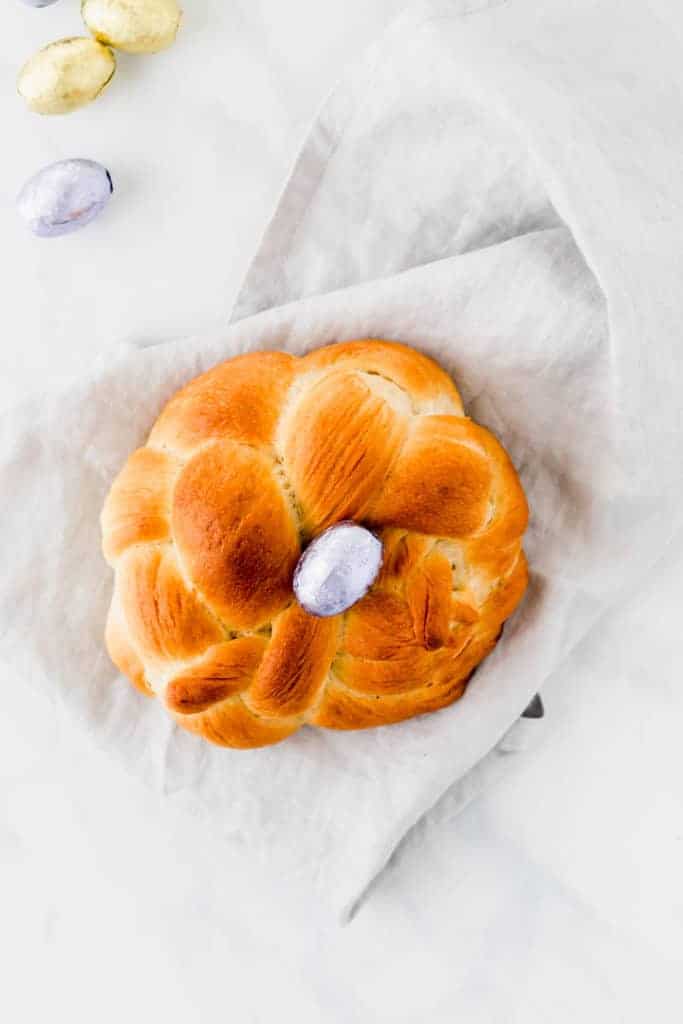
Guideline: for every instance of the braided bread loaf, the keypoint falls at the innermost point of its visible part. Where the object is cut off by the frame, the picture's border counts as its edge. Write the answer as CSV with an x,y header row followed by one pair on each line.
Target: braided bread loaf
x,y
248,463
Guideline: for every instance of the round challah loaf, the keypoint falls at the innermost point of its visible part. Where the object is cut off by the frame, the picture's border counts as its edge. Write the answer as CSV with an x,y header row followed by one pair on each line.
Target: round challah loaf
x,y
244,467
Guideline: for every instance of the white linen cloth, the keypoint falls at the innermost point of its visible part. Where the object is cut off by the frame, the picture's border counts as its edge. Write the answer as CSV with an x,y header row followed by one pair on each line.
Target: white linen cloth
x,y
453,149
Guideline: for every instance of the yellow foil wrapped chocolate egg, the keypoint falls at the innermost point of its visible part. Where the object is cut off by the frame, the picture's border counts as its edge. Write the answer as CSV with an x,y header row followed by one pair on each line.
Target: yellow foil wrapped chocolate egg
x,y
66,75
142,26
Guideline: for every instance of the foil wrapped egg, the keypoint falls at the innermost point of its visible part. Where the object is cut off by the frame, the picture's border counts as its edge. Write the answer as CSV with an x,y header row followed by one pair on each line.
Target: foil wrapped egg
x,y
337,569
145,26
64,196
39,3
66,75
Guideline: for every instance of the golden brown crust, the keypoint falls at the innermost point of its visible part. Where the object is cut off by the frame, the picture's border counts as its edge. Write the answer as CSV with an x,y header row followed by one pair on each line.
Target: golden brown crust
x,y
405,670
205,524
296,664
428,591
166,621
240,399
121,652
508,592
401,553
440,485
338,442
344,708
136,509
349,709
230,724
226,670
423,381
398,642
235,533
379,626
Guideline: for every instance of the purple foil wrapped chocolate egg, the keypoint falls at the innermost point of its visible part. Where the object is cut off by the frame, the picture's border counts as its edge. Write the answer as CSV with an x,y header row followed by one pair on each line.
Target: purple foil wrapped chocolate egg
x,y
64,197
337,569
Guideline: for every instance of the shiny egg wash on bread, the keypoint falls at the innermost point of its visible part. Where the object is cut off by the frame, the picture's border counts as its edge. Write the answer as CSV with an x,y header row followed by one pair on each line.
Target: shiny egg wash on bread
x,y
245,467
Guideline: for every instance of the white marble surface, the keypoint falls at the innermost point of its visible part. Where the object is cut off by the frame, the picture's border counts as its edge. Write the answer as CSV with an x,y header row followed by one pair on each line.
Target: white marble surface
x,y
556,896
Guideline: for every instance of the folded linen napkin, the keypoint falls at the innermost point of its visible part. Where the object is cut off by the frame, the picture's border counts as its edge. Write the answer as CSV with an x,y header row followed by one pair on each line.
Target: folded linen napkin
x,y
460,148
